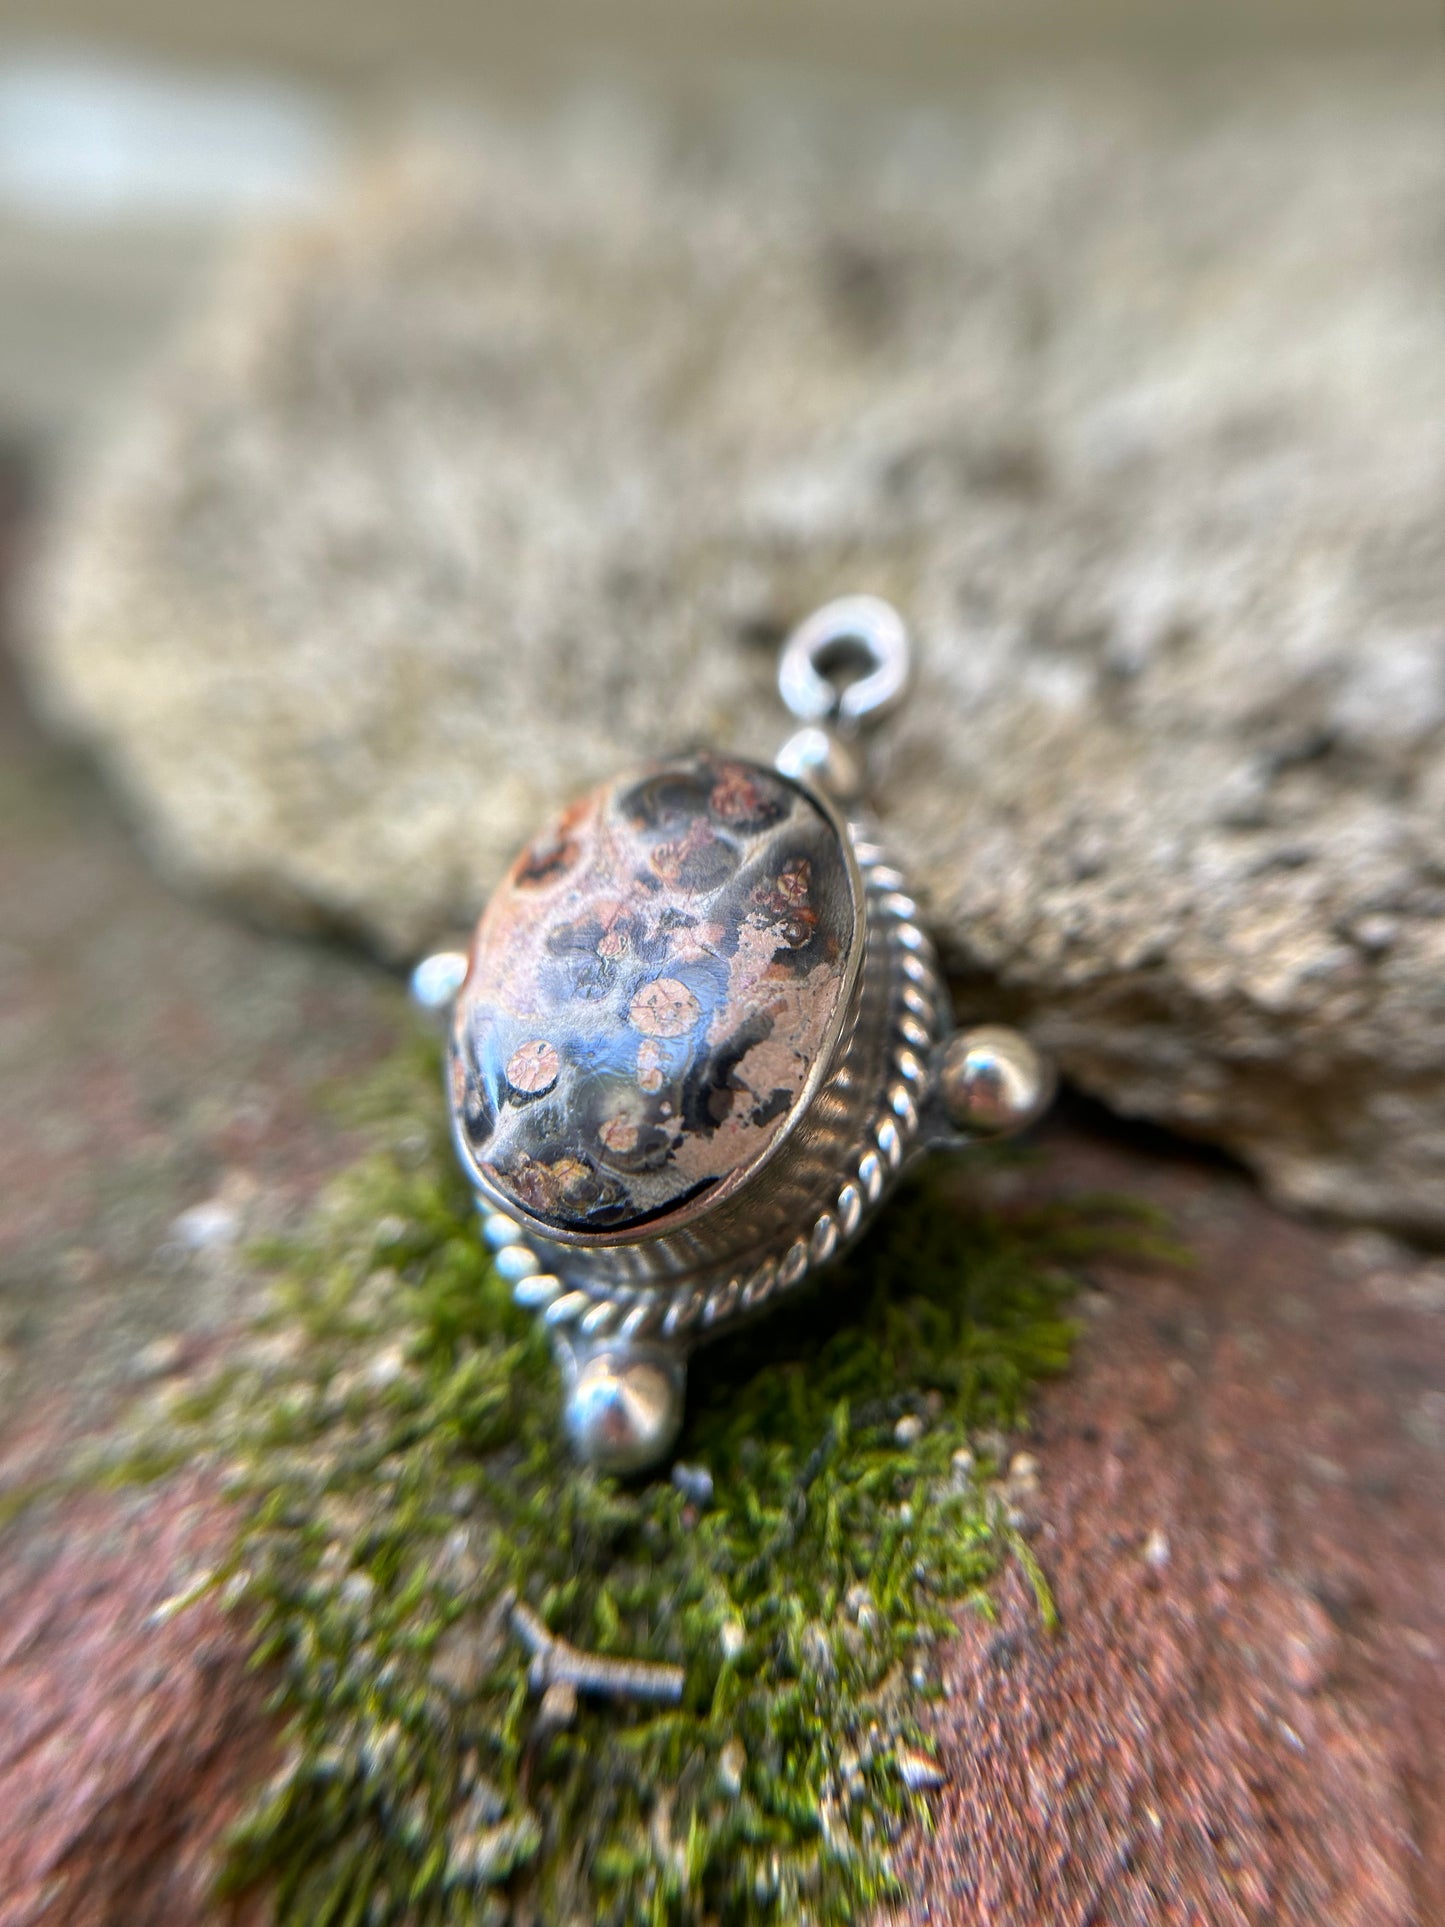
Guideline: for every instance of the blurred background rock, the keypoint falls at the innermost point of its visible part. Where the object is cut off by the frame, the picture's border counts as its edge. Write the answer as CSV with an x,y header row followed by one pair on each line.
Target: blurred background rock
x,y
514,452
132,135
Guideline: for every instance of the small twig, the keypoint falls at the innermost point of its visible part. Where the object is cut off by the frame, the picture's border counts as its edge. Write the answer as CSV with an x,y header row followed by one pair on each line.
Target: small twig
x,y
557,1662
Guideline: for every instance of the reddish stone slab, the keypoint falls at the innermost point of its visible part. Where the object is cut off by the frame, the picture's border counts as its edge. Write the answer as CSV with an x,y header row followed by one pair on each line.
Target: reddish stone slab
x,y
162,1081
130,1738
1241,1511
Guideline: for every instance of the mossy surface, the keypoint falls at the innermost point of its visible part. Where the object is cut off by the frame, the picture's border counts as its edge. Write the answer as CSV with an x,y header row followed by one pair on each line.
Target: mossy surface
x,y
392,1439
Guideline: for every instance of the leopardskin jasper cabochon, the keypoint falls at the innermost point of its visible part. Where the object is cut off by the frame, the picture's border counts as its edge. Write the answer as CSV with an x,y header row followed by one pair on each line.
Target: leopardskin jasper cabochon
x,y
650,992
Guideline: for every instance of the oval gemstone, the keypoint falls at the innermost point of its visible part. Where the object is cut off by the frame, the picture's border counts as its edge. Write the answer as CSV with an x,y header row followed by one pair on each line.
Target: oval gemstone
x,y
649,992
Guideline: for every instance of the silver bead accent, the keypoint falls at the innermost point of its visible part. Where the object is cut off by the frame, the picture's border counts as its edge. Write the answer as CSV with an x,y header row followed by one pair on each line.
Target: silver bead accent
x,y
794,1264
720,1302
567,1309
638,1321
538,1291
436,981
499,1231
682,1314
514,1263
850,1209
762,1284
624,1407
993,1082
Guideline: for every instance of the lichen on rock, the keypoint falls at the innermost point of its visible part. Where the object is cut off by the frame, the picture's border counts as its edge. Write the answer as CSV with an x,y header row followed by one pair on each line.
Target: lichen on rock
x,y
391,1438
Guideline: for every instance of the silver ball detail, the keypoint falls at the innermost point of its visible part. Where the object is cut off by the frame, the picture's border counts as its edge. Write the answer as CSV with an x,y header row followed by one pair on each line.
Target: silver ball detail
x,y
624,1408
993,1081
436,981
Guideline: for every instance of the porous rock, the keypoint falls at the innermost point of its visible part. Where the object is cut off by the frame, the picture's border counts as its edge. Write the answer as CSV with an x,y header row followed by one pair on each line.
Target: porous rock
x,y
1237,1719
136,1725
513,468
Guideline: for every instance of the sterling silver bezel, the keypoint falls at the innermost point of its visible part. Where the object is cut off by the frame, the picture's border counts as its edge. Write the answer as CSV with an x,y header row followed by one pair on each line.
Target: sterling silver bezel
x,y
625,1308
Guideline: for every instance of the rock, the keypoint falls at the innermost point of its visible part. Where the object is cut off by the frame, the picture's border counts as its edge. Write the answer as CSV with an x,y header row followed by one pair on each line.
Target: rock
x,y
918,1773
136,1727
1310,1644
694,1482
1253,1733
513,469
158,1109
1156,1549
732,1766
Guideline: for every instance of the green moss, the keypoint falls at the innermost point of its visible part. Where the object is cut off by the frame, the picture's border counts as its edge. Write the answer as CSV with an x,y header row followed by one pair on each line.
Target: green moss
x,y
392,1439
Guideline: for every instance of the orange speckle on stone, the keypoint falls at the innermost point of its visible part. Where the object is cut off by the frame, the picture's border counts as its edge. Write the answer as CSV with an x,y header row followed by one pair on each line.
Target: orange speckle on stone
x,y
672,861
533,1067
794,882
572,1177
650,1065
736,797
664,1008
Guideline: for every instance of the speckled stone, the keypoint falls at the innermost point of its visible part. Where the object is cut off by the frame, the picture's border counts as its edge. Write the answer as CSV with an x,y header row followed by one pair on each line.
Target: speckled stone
x,y
650,990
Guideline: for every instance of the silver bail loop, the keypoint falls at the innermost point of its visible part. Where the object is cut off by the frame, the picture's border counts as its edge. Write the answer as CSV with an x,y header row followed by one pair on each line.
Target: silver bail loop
x,y
851,631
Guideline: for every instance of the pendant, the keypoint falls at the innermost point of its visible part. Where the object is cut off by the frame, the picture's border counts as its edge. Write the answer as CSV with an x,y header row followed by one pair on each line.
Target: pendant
x,y
700,1034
